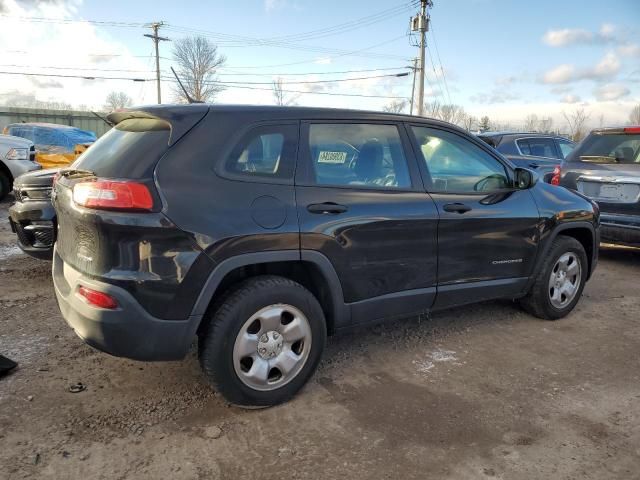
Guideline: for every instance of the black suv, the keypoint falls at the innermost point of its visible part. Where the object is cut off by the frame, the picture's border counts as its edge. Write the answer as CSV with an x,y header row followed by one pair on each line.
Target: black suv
x,y
263,229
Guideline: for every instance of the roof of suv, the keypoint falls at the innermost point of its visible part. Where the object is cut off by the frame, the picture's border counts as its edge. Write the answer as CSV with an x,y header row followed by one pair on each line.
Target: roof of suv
x,y
279,112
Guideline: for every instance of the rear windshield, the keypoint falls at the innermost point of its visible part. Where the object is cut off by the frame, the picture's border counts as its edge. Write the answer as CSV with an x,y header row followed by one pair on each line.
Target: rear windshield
x,y
129,150
609,148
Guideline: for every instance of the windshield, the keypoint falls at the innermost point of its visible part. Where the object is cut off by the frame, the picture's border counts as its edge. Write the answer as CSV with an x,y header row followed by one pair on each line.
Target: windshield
x,y
610,148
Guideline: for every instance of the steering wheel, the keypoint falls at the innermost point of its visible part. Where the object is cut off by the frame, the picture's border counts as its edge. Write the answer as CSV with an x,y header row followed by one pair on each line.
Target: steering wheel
x,y
481,186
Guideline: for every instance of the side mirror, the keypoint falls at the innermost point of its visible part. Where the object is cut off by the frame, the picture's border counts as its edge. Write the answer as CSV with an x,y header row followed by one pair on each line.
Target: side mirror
x,y
524,178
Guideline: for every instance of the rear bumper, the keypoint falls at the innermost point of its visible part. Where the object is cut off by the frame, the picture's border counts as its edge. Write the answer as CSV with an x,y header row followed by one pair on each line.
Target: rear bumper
x,y
127,331
34,223
623,229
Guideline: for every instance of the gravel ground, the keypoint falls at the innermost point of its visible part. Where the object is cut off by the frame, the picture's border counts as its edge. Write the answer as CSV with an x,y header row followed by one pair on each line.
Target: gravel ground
x,y
484,391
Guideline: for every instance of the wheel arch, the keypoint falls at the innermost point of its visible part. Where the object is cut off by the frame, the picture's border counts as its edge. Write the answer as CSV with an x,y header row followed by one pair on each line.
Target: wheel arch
x,y
583,232
309,268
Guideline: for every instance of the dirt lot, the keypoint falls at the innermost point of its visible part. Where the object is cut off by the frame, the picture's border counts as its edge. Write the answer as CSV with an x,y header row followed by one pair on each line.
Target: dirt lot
x,y
480,392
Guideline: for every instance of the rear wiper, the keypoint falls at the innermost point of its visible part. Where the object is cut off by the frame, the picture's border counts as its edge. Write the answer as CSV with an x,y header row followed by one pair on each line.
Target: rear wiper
x,y
75,172
598,159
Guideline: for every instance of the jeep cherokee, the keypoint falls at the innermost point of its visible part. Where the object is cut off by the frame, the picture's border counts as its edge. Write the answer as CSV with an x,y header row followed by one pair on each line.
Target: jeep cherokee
x,y
261,230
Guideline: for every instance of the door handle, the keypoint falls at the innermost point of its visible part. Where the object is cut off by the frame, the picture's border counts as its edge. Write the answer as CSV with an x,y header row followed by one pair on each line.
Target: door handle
x,y
456,207
534,165
327,207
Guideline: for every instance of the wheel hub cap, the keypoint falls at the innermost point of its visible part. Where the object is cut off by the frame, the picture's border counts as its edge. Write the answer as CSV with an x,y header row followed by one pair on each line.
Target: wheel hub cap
x,y
564,280
270,345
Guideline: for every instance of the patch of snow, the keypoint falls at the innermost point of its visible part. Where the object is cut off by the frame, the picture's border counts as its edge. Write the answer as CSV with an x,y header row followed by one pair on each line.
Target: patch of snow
x,y
436,356
7,251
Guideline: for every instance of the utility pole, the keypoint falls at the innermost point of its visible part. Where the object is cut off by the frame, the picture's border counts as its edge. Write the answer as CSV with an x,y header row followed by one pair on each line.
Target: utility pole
x,y
413,87
420,23
157,39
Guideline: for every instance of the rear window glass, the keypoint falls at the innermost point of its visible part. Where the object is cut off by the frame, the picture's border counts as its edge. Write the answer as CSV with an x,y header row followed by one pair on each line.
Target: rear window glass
x,y
610,148
129,150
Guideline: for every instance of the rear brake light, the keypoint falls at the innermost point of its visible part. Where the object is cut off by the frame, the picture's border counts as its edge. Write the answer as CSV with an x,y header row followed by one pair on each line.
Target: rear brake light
x,y
113,195
98,299
557,172
631,129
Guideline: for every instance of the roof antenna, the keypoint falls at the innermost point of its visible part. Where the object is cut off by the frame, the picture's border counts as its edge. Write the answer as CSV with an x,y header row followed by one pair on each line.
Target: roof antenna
x,y
187,96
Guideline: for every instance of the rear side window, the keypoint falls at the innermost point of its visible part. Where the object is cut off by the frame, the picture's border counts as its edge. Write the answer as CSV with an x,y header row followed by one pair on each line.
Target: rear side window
x,y
537,147
265,152
355,154
129,150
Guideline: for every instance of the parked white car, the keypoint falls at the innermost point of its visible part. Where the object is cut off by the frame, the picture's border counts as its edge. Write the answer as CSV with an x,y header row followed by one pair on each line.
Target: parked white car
x,y
17,156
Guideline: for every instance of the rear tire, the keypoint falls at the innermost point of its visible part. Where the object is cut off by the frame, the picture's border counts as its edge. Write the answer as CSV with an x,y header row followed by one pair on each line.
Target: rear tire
x,y
5,185
263,341
559,282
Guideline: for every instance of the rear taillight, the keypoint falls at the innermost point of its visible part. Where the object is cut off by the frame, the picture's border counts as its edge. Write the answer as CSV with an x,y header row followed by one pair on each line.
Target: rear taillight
x,y
113,195
555,178
631,129
98,299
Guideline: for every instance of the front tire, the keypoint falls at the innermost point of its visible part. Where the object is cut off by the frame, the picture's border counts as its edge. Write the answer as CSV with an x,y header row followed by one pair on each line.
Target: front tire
x,y
559,282
263,342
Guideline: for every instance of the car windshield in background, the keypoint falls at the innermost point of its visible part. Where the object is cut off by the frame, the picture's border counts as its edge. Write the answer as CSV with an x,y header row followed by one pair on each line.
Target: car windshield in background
x,y
610,148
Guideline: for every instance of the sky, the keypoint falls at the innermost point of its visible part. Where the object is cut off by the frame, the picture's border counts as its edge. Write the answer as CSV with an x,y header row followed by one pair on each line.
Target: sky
x,y
502,58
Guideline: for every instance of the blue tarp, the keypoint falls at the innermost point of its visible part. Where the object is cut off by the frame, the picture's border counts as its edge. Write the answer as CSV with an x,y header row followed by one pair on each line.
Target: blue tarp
x,y
49,137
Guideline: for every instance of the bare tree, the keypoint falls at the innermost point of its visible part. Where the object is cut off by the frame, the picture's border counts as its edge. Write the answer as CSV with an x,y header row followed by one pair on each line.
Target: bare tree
x,y
545,124
452,113
577,123
447,112
531,123
198,61
395,106
432,109
279,94
469,122
634,116
117,100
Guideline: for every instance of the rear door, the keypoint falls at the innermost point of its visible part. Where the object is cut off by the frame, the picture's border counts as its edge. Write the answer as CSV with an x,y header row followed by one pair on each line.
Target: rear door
x,y
361,203
487,235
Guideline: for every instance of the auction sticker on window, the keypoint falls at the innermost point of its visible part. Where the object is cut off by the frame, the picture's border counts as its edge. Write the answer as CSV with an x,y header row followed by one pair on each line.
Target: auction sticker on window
x,y
332,157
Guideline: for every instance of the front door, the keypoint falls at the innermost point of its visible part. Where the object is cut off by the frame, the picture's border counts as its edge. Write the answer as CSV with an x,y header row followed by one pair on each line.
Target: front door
x,y
361,203
487,234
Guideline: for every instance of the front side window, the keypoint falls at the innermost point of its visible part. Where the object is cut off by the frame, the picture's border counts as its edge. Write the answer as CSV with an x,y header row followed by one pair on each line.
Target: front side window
x,y
537,147
267,152
358,155
457,165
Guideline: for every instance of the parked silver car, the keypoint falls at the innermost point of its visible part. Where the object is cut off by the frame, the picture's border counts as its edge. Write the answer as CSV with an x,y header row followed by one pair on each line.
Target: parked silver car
x,y
17,156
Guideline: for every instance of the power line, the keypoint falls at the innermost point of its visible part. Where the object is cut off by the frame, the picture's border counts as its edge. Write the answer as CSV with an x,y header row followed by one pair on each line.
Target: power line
x,y
52,67
313,34
433,35
330,57
105,23
301,82
84,77
310,92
